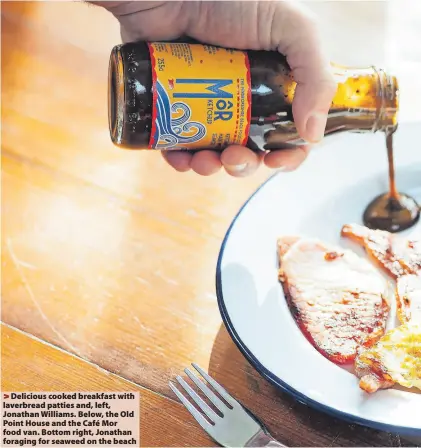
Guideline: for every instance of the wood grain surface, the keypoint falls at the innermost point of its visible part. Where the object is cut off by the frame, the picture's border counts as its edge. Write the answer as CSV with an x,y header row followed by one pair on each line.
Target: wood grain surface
x,y
42,367
110,255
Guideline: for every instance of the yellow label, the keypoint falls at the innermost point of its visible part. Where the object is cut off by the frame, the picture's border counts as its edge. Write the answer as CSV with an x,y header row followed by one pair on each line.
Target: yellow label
x,y
201,96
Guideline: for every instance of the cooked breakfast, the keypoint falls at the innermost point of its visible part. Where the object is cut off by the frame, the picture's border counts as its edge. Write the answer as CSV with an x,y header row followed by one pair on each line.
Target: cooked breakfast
x,y
396,255
337,298
395,358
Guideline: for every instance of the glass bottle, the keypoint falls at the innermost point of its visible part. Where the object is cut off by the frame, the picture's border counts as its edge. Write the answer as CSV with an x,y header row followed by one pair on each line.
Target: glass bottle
x,y
193,96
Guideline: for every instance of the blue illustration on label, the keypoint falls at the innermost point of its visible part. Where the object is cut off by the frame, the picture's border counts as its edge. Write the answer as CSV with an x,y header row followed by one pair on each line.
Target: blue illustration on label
x,y
173,127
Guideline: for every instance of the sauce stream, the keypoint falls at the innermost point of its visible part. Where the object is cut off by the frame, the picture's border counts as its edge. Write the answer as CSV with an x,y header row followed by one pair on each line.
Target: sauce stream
x,y
391,211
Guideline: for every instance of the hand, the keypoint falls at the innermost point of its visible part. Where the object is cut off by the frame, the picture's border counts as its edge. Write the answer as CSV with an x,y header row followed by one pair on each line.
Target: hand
x,y
264,25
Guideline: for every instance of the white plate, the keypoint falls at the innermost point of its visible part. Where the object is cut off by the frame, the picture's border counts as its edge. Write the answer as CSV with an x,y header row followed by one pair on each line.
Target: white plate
x,y
330,189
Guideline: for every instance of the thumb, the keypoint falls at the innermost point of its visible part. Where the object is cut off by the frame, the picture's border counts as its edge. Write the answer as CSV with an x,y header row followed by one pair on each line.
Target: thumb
x,y
300,42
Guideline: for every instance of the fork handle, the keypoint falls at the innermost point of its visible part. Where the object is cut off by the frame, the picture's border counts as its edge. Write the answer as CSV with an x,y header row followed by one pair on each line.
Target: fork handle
x,y
261,440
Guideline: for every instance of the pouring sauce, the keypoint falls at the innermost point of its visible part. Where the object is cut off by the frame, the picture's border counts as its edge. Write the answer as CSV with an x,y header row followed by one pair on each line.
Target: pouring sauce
x,y
392,211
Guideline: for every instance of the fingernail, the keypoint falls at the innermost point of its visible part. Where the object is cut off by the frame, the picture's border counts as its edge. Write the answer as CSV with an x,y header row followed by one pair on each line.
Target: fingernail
x,y
315,127
236,168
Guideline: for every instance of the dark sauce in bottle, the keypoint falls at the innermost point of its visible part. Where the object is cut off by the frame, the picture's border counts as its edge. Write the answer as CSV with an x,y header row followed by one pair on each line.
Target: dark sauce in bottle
x,y
365,100
130,98
391,211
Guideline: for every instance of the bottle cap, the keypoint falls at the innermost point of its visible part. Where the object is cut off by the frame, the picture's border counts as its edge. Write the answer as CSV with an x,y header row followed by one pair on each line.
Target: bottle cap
x,y
130,96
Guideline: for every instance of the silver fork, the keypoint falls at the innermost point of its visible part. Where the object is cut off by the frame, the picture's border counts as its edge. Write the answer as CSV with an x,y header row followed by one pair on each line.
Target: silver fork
x,y
236,427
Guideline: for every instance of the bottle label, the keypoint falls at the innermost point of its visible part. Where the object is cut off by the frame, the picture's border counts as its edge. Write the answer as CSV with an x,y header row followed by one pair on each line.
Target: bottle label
x,y
201,96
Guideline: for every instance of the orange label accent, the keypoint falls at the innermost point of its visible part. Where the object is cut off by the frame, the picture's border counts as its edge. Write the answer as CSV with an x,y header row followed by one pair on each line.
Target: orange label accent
x,y
201,96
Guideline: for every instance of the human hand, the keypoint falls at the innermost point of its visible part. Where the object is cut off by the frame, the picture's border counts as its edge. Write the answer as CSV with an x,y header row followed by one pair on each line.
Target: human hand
x,y
257,25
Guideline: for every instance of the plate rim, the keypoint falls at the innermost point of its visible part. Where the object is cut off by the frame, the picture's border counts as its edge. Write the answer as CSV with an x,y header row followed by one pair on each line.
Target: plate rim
x,y
266,373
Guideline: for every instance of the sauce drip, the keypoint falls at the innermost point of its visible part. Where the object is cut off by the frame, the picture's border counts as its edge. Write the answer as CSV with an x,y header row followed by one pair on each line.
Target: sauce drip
x,y
392,211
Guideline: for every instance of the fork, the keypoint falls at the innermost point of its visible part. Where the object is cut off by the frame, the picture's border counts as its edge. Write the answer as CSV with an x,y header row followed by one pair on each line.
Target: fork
x,y
235,427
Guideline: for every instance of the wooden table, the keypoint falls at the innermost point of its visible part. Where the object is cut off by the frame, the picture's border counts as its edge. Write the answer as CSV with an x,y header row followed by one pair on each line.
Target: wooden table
x,y
108,278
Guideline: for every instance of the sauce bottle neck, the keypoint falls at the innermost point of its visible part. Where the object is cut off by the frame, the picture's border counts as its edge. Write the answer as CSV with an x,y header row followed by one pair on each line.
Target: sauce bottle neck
x,y
388,103
366,100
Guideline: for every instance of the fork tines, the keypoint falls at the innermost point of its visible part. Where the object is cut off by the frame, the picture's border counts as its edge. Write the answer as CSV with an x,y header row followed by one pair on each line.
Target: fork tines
x,y
209,394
